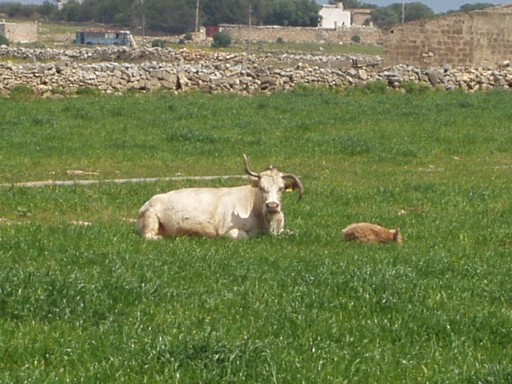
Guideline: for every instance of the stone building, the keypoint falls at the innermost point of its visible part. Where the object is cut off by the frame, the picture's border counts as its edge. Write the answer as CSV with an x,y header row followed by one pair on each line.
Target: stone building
x,y
19,32
472,39
361,16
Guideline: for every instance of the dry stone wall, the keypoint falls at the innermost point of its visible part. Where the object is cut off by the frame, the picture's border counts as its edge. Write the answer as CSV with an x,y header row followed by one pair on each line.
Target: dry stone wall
x,y
471,39
271,34
117,70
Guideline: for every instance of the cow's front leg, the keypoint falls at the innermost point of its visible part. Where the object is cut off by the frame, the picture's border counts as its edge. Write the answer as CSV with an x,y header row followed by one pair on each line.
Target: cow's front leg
x,y
276,224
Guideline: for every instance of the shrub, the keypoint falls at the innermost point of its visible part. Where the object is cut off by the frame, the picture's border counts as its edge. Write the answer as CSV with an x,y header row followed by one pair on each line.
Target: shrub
x,y
279,40
158,43
378,87
22,92
87,91
356,39
4,40
221,40
188,36
412,87
58,91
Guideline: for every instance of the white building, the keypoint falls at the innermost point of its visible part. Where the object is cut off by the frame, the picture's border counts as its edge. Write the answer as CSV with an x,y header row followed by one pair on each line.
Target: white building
x,y
333,16
60,3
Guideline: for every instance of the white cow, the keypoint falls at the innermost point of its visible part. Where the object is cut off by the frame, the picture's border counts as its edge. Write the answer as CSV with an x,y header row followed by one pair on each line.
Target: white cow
x,y
236,212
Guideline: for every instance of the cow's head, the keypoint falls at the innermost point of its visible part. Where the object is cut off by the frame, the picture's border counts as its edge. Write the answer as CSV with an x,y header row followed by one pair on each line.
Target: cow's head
x,y
271,184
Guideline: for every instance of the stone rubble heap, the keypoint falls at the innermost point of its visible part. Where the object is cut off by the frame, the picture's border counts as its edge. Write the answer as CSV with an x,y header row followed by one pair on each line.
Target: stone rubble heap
x,y
117,69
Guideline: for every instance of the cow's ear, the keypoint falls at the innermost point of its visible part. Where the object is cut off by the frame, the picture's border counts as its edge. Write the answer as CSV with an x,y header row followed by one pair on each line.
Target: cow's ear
x,y
291,185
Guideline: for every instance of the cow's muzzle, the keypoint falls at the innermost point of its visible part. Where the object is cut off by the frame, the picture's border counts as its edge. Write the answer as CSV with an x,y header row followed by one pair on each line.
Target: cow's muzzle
x,y
272,207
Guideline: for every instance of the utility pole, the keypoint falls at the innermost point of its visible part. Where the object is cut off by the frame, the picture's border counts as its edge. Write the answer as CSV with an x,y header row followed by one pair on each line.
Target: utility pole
x,y
197,16
143,22
250,22
403,11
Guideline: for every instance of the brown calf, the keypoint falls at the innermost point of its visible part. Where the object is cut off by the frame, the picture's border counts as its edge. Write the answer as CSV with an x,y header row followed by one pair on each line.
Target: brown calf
x,y
372,233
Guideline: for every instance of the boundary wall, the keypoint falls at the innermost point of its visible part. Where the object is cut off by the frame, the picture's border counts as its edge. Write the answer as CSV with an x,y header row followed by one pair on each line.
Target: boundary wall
x,y
271,34
471,39
119,69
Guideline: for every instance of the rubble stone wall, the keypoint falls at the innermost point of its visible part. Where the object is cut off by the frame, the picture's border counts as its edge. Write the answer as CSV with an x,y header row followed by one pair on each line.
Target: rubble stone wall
x,y
121,69
271,34
475,39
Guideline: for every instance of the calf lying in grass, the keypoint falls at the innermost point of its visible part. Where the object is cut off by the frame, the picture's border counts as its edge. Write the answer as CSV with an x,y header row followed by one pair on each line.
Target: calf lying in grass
x,y
372,233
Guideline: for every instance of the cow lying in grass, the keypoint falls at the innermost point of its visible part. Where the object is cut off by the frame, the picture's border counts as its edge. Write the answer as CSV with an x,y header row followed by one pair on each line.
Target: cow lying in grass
x,y
237,212
372,233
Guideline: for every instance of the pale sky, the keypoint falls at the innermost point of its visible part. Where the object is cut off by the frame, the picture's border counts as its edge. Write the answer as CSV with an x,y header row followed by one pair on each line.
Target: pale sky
x,y
438,6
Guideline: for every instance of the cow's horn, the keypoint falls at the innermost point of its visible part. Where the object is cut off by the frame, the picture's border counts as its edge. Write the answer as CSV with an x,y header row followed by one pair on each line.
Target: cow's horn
x,y
297,183
247,170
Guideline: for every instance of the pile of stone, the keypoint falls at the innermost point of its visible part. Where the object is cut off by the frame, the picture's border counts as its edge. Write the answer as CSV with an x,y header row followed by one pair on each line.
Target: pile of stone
x,y
116,70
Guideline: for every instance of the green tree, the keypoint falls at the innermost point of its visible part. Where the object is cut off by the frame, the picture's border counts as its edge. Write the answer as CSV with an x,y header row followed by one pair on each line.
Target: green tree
x,y
108,11
221,40
384,17
352,4
302,13
416,11
47,9
173,17
392,14
18,10
259,9
474,7
73,11
347,3
225,11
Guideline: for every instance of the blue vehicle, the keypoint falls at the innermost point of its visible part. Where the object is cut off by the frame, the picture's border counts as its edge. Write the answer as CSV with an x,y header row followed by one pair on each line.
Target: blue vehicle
x,y
103,37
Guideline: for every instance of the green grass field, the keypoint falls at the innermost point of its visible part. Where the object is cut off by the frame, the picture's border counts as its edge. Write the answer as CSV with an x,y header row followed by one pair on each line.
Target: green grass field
x,y
96,304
